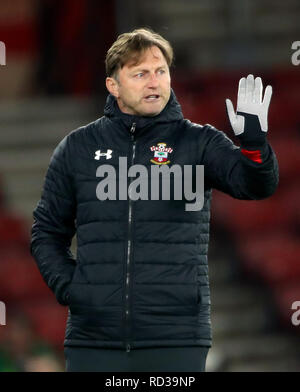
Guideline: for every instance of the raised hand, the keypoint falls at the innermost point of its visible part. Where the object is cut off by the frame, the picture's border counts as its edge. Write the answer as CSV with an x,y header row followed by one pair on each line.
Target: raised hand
x,y
250,121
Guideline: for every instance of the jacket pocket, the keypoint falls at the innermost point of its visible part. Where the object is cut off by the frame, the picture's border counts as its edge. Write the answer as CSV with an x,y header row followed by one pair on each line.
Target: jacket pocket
x,y
79,275
79,280
68,294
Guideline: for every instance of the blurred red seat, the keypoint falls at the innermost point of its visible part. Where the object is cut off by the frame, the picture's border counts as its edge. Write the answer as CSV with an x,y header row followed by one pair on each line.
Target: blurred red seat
x,y
48,318
20,277
14,230
287,152
283,115
247,216
273,256
286,78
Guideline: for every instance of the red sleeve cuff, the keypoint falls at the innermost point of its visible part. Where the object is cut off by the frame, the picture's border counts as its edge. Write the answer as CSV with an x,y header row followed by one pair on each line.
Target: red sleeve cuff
x,y
255,155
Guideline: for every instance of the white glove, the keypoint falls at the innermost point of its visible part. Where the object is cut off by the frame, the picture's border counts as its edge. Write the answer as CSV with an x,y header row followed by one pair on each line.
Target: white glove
x,y
251,117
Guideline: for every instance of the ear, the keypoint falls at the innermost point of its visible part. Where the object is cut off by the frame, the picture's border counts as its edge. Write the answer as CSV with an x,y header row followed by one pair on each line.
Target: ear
x,y
112,86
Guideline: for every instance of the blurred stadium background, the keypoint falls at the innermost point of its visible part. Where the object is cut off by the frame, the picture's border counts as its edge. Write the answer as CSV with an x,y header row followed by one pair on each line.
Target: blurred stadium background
x,y
53,82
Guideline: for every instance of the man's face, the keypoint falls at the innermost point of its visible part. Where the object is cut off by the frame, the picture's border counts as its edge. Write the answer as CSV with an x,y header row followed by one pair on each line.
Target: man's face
x,y
143,89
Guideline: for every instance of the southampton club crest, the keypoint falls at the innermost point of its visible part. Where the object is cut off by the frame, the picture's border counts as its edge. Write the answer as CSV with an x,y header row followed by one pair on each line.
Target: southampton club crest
x,y
161,154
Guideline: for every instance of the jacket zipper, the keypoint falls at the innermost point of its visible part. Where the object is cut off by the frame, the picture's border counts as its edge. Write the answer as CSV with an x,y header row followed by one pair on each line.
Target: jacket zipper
x,y
129,248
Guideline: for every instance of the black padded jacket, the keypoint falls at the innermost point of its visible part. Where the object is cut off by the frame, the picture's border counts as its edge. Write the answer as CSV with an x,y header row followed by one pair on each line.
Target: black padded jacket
x,y
140,275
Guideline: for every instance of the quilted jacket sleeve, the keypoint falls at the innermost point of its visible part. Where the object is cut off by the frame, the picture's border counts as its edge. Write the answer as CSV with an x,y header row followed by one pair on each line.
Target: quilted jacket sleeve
x,y
229,171
54,224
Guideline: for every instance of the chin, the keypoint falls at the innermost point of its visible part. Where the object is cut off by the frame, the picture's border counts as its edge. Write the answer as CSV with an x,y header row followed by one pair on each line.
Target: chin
x,y
152,113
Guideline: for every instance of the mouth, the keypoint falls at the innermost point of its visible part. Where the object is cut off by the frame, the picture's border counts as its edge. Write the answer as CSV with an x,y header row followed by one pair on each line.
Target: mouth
x,y
152,98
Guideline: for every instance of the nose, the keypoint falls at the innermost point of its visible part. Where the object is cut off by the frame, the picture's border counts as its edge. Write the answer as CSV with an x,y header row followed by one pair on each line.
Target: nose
x,y
153,81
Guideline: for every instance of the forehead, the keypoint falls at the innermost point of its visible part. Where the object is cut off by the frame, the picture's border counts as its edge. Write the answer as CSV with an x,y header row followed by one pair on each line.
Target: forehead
x,y
151,56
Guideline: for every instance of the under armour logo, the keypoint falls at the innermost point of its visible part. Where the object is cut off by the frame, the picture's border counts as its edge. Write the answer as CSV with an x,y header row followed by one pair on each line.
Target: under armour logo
x,y
99,154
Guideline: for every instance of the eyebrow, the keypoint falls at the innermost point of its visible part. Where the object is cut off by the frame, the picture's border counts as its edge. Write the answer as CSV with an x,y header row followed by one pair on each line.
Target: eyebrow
x,y
146,70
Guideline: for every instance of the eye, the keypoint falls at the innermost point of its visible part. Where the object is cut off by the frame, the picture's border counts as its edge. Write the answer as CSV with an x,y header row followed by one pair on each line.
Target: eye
x,y
162,71
139,75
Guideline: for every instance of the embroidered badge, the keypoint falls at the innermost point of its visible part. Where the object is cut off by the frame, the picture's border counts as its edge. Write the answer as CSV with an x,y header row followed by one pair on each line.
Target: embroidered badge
x,y
161,154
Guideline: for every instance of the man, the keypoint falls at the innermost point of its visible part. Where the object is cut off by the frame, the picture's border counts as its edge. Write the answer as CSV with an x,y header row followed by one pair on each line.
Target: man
x,y
138,292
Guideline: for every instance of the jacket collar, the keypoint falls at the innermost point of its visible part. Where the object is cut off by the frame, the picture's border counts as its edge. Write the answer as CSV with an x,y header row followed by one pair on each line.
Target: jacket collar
x,y
171,112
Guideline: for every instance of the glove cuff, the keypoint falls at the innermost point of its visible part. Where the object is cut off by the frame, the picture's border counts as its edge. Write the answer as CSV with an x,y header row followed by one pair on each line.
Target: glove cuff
x,y
253,134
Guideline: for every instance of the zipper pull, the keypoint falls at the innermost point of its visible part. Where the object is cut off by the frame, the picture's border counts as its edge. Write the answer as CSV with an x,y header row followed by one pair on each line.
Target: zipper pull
x,y
128,348
132,129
